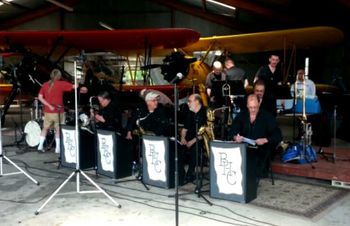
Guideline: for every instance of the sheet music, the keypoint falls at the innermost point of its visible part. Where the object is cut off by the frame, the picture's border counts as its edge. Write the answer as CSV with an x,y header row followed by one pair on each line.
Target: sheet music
x,y
173,139
249,141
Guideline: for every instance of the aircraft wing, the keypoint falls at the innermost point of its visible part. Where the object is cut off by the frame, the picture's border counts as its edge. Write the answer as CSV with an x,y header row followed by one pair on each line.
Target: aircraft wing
x,y
271,40
124,42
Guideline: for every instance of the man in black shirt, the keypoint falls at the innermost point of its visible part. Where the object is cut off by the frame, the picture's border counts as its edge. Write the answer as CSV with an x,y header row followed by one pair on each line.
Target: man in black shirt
x,y
234,73
109,116
215,75
259,126
195,119
271,74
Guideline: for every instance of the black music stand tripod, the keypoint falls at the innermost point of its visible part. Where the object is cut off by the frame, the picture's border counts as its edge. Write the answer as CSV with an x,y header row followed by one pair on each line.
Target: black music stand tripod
x,y
139,175
77,170
2,156
199,181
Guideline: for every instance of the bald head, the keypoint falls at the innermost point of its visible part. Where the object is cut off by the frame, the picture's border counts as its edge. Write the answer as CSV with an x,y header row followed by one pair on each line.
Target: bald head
x,y
217,67
253,104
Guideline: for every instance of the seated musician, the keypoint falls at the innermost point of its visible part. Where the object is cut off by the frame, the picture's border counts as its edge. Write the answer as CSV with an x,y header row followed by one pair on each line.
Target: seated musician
x,y
259,126
162,98
265,102
109,116
298,87
150,118
195,119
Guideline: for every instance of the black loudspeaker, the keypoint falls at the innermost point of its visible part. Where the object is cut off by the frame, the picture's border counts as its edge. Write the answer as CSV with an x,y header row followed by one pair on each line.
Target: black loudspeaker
x,y
232,172
87,150
114,155
158,161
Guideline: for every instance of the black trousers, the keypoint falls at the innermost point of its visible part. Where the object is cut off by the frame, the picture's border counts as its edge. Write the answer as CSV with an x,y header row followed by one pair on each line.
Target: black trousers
x,y
262,160
189,156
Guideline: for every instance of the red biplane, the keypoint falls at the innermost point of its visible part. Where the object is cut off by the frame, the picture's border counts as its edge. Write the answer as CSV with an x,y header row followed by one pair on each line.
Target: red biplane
x,y
43,50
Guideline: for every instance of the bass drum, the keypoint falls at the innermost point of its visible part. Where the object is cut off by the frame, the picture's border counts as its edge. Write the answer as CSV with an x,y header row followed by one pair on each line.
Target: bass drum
x,y
32,130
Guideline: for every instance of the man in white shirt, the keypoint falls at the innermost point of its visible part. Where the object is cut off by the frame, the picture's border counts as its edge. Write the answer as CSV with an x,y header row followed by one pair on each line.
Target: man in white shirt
x,y
310,88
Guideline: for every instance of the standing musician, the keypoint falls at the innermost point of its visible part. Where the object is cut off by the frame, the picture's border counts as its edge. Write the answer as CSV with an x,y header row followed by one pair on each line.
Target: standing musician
x,y
150,118
195,119
235,73
216,75
51,96
259,126
109,115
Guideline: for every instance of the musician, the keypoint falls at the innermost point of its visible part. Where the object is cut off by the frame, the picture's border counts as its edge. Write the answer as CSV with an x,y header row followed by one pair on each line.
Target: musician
x,y
265,102
310,88
90,84
109,116
235,73
51,96
162,98
259,126
151,118
195,119
217,74
271,74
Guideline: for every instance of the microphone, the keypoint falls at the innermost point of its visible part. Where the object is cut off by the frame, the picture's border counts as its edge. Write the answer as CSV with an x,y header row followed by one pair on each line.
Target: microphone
x,y
177,78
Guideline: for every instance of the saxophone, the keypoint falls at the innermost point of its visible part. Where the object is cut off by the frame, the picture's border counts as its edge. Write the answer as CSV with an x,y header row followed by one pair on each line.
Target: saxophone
x,y
207,132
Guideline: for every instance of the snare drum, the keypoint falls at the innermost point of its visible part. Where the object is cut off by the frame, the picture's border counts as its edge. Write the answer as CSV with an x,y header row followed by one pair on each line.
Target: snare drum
x,y
32,130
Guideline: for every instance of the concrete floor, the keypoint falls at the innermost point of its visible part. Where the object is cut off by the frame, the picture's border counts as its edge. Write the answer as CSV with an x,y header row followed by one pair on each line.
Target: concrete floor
x,y
20,198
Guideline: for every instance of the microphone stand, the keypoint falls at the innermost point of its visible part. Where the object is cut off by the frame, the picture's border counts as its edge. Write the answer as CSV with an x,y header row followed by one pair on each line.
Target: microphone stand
x,y
176,104
77,170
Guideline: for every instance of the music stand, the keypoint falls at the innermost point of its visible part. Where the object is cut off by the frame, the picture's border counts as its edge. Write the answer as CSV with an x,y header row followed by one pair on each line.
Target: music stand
x,y
9,160
77,171
229,93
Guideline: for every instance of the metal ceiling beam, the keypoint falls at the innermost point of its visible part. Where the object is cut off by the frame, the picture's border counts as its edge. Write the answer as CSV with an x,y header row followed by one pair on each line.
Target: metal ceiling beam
x,y
257,9
16,5
33,14
222,20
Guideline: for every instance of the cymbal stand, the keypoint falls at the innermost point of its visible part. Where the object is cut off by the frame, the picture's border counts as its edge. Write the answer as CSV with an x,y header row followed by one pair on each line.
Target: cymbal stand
x,y
335,133
2,156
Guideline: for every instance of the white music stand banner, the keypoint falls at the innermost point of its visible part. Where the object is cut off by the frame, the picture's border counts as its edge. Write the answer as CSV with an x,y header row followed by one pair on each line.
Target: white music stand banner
x,y
69,148
68,154
156,161
229,172
106,147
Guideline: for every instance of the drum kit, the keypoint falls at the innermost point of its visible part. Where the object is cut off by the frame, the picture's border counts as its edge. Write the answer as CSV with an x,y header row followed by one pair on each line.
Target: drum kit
x,y
33,128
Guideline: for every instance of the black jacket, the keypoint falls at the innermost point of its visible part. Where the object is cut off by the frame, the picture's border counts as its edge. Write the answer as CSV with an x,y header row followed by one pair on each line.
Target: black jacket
x,y
112,116
264,126
155,122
